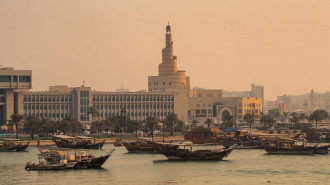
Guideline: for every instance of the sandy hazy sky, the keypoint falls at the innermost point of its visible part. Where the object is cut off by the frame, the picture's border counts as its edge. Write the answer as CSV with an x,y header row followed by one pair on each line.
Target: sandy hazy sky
x,y
221,44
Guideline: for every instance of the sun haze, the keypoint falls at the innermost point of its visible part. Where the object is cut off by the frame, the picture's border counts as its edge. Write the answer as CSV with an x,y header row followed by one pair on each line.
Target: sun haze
x,y
282,45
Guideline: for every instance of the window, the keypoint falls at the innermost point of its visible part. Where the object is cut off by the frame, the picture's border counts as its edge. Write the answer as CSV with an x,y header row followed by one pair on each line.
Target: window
x,y
4,78
24,79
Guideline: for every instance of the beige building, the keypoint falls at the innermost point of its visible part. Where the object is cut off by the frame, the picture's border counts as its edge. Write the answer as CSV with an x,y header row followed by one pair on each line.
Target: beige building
x,y
205,104
58,104
10,81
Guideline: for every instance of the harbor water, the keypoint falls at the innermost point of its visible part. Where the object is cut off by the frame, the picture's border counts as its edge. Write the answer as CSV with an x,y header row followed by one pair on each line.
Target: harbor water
x,y
240,167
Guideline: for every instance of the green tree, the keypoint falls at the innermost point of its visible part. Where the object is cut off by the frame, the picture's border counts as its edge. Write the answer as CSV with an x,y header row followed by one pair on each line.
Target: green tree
x,y
98,126
194,124
16,121
267,120
67,125
228,120
137,125
249,118
171,120
295,119
92,110
209,122
317,116
263,120
180,126
274,112
75,127
152,123
302,116
45,125
32,125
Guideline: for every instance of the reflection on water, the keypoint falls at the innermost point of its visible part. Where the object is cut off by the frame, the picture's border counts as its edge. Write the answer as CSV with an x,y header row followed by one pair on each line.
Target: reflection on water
x,y
240,167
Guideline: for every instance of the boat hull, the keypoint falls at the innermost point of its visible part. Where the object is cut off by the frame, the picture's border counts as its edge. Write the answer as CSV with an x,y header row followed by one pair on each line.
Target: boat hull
x,y
16,148
94,146
196,155
40,167
134,148
322,149
62,144
290,151
242,144
96,162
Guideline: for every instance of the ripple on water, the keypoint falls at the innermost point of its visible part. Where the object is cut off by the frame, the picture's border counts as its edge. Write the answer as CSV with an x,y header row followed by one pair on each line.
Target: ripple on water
x,y
240,167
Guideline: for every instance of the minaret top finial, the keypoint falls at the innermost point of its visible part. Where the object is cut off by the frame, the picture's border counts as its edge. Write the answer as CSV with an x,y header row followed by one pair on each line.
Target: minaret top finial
x,y
168,28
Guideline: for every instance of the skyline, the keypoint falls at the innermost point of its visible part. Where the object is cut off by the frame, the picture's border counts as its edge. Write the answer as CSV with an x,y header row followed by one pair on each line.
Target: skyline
x,y
232,43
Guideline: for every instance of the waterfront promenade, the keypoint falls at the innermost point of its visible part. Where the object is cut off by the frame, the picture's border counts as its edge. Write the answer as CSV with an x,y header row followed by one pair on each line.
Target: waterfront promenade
x,y
107,140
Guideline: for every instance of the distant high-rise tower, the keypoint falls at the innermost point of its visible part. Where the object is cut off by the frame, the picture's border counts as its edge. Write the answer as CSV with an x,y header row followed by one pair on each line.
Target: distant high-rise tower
x,y
258,91
312,100
169,77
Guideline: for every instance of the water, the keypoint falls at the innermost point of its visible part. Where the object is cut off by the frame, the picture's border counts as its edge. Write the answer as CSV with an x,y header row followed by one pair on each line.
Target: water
x,y
240,167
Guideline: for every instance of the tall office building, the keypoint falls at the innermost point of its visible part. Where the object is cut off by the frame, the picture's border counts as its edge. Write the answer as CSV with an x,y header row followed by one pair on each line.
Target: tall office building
x,y
257,91
10,81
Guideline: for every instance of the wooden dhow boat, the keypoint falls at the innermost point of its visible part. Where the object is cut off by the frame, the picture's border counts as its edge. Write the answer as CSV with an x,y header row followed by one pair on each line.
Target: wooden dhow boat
x,y
288,146
92,144
13,145
63,141
191,151
82,158
52,165
138,145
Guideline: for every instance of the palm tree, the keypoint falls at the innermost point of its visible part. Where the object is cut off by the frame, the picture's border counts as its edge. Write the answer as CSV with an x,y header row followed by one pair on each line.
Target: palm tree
x,y
113,123
66,125
152,123
249,118
274,112
137,124
32,125
98,126
228,120
263,120
45,124
194,124
75,127
171,120
317,116
302,116
16,121
91,110
209,122
295,119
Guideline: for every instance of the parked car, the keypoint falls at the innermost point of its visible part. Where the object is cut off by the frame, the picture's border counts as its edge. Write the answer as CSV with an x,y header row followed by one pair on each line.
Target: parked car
x,y
107,132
